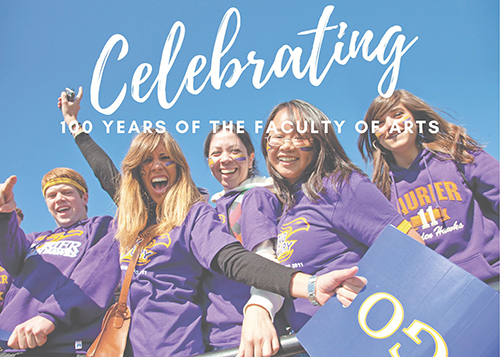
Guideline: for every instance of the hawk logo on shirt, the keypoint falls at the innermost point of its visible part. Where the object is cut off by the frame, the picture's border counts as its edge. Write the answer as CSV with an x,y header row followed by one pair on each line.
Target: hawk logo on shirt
x,y
56,244
284,245
420,204
148,251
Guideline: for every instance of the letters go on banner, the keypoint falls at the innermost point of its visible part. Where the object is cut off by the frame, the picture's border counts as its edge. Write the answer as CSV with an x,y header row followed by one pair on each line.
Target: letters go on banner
x,y
416,303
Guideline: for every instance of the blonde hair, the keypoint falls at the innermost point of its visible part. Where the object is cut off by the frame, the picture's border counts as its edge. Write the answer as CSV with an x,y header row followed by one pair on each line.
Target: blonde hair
x,y
451,142
133,201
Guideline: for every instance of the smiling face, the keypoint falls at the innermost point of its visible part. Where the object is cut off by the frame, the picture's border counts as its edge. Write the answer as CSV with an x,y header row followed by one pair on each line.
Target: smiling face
x,y
289,161
158,173
398,131
229,160
66,205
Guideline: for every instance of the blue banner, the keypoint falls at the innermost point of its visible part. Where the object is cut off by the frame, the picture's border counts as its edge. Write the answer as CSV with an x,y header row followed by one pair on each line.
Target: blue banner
x,y
416,303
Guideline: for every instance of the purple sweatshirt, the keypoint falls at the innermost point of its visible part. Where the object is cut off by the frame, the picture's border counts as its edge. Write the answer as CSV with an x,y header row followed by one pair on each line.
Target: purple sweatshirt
x,y
332,233
67,275
5,282
163,297
226,298
432,195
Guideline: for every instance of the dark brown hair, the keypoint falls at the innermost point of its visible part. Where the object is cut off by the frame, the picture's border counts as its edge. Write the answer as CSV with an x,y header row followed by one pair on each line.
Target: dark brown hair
x,y
331,159
450,142
243,136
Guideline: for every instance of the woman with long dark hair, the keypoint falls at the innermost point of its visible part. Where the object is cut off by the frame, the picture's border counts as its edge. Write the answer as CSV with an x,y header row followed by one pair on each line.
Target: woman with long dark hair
x,y
332,213
439,178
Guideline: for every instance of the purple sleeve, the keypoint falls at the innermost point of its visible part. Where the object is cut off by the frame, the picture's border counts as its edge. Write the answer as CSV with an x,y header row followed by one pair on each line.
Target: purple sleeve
x,y
364,211
208,234
13,244
484,176
259,218
91,285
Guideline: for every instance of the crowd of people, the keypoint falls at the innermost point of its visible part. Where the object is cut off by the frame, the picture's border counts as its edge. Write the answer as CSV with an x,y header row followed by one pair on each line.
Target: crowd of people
x,y
263,260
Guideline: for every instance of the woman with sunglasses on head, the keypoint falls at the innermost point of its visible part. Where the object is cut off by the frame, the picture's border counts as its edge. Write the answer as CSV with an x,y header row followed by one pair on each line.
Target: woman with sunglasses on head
x,y
332,213
158,200
250,210
439,178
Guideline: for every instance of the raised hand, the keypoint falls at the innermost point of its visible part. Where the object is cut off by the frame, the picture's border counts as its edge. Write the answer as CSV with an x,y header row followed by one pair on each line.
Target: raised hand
x,y
7,203
70,109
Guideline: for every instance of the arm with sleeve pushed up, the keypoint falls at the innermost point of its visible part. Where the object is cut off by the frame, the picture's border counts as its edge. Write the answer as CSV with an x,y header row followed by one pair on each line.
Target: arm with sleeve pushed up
x,y
248,268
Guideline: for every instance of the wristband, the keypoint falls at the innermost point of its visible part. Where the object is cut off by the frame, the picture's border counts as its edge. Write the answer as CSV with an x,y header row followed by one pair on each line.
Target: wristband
x,y
75,128
311,290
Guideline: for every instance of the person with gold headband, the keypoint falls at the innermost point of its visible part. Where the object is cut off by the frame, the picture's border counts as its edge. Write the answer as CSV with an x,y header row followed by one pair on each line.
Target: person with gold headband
x,y
64,279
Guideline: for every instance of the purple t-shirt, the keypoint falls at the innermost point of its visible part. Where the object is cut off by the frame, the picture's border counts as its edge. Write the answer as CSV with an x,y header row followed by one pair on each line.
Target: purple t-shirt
x,y
332,233
226,298
432,195
166,315
67,275
5,281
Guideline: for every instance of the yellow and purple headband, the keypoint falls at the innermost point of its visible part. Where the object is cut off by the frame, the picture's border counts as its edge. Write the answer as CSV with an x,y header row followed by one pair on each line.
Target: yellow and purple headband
x,y
61,180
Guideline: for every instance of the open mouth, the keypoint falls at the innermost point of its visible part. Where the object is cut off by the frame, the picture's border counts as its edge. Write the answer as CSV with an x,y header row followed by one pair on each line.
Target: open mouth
x,y
392,136
228,171
287,159
62,209
159,184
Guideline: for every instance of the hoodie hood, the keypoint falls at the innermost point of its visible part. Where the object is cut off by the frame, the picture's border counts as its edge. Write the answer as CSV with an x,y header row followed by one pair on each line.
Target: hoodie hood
x,y
419,164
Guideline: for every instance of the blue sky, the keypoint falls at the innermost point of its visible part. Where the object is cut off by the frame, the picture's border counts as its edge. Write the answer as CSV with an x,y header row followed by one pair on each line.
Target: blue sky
x,y
49,45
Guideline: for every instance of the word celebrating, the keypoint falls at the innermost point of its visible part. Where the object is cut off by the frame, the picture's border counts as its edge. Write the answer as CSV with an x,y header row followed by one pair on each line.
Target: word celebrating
x,y
412,331
286,58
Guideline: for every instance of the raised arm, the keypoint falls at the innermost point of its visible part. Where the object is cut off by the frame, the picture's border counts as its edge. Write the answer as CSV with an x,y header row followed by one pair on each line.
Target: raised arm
x,y
13,242
100,163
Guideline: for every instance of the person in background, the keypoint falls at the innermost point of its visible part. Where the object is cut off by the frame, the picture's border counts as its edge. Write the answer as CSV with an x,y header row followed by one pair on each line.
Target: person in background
x,y
158,201
250,211
332,213
5,278
64,278
439,178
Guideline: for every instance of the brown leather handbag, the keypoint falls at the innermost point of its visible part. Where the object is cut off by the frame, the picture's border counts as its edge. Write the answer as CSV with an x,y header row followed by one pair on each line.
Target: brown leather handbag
x,y
112,340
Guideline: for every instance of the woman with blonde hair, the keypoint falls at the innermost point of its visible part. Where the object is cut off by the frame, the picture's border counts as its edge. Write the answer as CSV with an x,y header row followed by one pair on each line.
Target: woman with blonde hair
x,y
439,178
158,198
